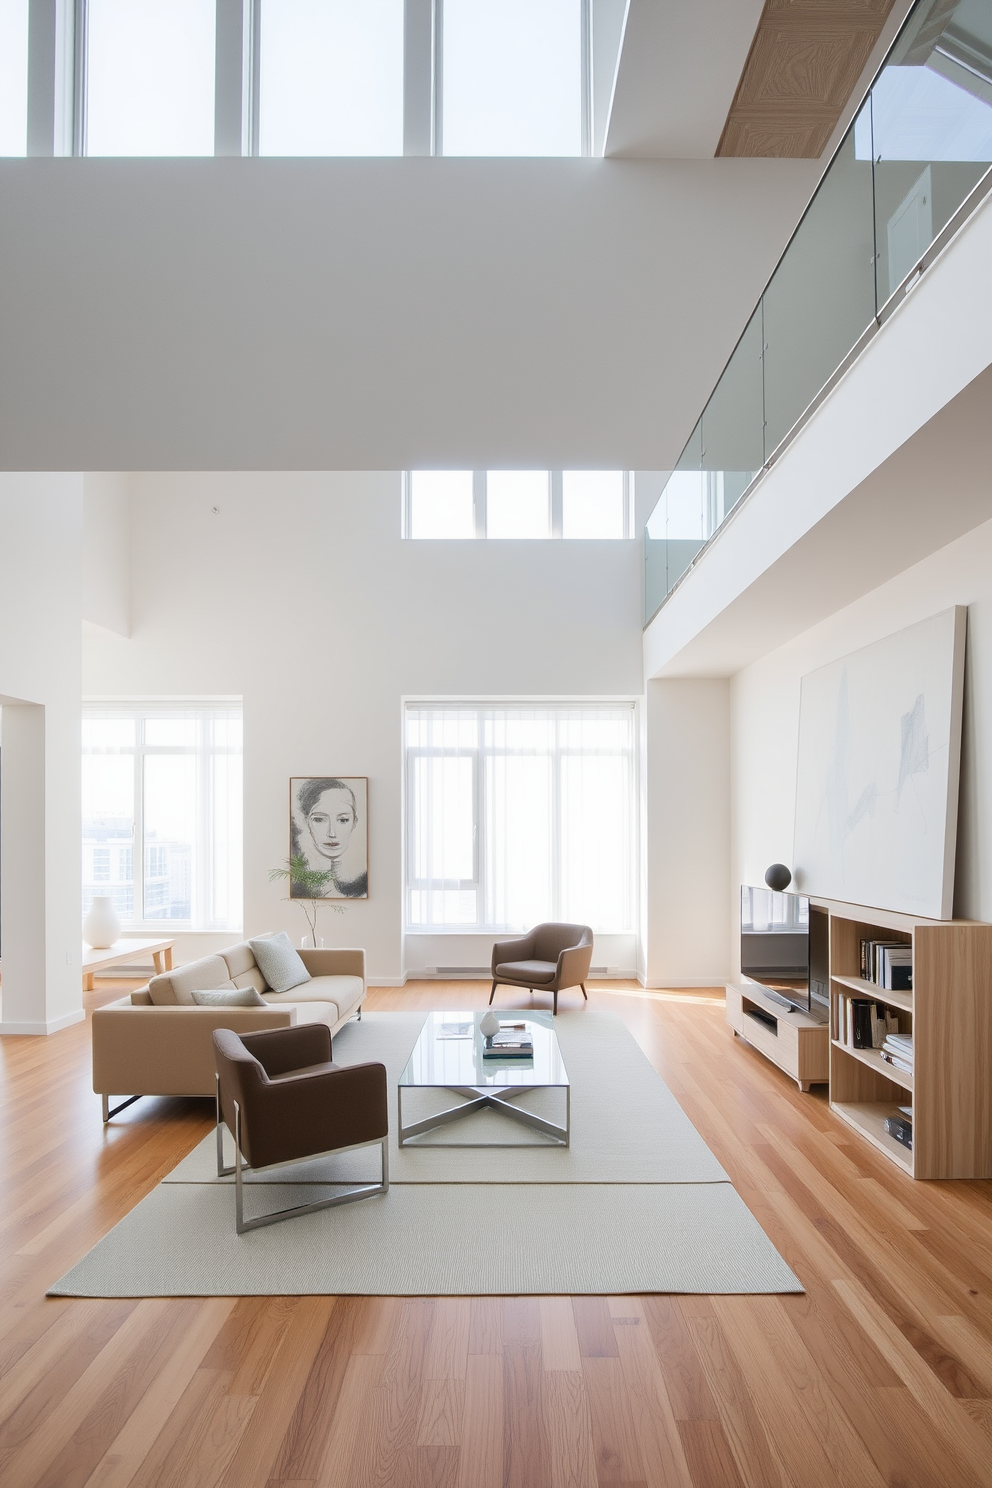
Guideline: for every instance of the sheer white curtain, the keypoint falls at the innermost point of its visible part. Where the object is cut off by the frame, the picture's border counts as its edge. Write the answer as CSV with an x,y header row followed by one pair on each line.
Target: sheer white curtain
x,y
518,813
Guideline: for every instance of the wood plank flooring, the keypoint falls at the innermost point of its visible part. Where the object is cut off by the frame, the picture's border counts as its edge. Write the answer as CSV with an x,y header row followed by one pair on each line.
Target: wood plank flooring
x,y
881,1374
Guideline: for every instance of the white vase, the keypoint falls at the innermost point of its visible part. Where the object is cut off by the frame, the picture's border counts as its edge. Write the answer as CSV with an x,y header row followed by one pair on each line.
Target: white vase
x,y
101,926
489,1024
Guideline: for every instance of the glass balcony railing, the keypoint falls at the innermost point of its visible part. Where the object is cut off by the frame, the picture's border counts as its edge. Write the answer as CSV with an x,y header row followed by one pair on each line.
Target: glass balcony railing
x,y
919,147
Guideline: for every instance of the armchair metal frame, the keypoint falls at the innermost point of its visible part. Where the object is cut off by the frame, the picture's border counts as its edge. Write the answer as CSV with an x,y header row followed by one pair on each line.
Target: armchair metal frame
x,y
239,1166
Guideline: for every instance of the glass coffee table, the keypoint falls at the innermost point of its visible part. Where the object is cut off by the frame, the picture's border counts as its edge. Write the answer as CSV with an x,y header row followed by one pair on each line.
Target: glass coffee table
x,y
456,1064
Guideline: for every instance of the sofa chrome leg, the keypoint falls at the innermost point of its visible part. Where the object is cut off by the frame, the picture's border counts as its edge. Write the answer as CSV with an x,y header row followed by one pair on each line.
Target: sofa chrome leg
x,y
108,1113
359,1019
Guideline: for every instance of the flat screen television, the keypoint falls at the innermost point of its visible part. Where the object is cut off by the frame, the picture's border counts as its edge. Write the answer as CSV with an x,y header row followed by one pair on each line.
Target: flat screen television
x,y
784,948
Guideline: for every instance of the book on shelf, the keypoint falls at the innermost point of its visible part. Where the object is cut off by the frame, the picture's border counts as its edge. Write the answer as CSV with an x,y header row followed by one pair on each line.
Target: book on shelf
x,y
897,1062
899,1046
866,1023
887,963
900,1128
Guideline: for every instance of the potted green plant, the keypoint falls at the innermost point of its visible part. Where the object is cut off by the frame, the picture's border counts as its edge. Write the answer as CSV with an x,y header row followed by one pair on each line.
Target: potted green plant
x,y
312,882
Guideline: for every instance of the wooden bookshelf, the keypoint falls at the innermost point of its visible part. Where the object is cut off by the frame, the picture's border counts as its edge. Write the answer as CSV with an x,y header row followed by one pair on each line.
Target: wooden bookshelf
x,y
948,1012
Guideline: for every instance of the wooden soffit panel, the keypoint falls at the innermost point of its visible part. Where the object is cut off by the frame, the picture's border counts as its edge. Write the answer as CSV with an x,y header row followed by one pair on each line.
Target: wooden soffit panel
x,y
804,61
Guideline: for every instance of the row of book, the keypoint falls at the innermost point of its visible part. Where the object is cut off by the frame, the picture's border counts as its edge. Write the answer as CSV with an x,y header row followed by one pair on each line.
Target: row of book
x,y
866,1024
887,963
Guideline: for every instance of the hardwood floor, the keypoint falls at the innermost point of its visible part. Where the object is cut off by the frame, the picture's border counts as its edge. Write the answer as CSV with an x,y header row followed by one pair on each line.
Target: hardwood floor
x,y
880,1374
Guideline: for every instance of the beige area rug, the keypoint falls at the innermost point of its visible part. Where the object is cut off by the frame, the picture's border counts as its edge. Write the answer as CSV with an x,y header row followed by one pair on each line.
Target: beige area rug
x,y
627,1127
637,1204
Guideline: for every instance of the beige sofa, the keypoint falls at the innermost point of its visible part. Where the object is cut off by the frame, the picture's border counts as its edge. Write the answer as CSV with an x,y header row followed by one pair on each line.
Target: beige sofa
x,y
158,1041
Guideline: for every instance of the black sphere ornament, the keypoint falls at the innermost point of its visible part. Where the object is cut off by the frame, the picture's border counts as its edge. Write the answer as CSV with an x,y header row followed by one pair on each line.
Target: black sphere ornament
x,y
778,877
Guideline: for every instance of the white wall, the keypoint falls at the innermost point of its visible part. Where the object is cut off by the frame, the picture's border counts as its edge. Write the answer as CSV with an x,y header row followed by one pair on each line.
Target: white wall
x,y
300,595
40,540
766,715
687,779
106,595
375,314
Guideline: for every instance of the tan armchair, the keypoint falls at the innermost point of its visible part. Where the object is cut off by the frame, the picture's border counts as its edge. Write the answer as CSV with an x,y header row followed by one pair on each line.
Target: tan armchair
x,y
283,1101
547,958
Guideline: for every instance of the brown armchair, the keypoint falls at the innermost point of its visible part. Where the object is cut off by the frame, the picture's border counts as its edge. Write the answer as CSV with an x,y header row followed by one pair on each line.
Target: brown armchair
x,y
547,958
283,1100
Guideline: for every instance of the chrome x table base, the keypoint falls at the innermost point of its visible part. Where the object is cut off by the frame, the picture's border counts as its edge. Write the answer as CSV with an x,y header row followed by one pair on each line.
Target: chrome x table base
x,y
477,1098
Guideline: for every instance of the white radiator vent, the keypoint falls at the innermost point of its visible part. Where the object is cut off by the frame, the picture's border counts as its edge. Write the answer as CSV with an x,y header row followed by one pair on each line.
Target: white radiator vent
x,y
452,971
471,971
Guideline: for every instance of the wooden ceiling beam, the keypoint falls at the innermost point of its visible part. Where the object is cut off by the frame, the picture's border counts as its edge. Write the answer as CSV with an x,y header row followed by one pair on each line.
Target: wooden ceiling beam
x,y
804,62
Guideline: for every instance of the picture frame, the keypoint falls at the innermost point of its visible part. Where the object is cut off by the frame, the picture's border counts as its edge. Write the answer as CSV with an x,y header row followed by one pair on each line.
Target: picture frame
x,y
328,828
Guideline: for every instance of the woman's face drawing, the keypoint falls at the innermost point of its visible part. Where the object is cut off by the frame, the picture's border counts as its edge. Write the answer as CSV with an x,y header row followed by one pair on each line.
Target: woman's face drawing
x,y
331,823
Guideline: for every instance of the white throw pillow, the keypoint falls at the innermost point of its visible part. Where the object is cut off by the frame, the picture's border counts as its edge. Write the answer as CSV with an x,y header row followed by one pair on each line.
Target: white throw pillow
x,y
278,962
228,997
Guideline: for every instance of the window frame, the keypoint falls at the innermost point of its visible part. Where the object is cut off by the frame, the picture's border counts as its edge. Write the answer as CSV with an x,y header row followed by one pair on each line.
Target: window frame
x,y
479,505
206,712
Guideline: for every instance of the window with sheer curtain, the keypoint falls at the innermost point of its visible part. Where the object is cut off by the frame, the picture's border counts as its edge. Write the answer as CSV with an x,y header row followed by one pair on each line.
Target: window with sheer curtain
x,y
518,813
162,811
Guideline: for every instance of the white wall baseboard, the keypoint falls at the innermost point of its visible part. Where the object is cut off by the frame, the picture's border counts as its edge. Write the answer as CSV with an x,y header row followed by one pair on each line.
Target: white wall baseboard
x,y
676,982
54,1025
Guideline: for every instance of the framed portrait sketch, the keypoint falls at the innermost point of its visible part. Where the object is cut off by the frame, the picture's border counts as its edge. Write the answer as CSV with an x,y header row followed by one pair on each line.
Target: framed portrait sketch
x,y
328,827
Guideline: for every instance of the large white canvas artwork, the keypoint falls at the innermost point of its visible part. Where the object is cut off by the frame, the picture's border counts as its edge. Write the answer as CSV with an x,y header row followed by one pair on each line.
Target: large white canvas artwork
x,y
877,783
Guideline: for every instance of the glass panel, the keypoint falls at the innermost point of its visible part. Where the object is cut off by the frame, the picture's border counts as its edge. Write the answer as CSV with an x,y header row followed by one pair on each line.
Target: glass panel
x,y
170,808
517,503
733,428
441,503
595,841
171,732
224,873
518,871
13,77
331,77
822,295
150,77
931,133
444,839
592,503
108,733
108,830
511,77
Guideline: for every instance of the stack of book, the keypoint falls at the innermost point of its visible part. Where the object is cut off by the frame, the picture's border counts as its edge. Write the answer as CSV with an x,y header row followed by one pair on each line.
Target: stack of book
x,y
866,1023
887,963
901,1126
509,1043
897,1050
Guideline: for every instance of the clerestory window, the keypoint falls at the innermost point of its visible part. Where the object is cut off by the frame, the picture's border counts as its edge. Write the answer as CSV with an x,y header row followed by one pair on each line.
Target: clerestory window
x,y
501,504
